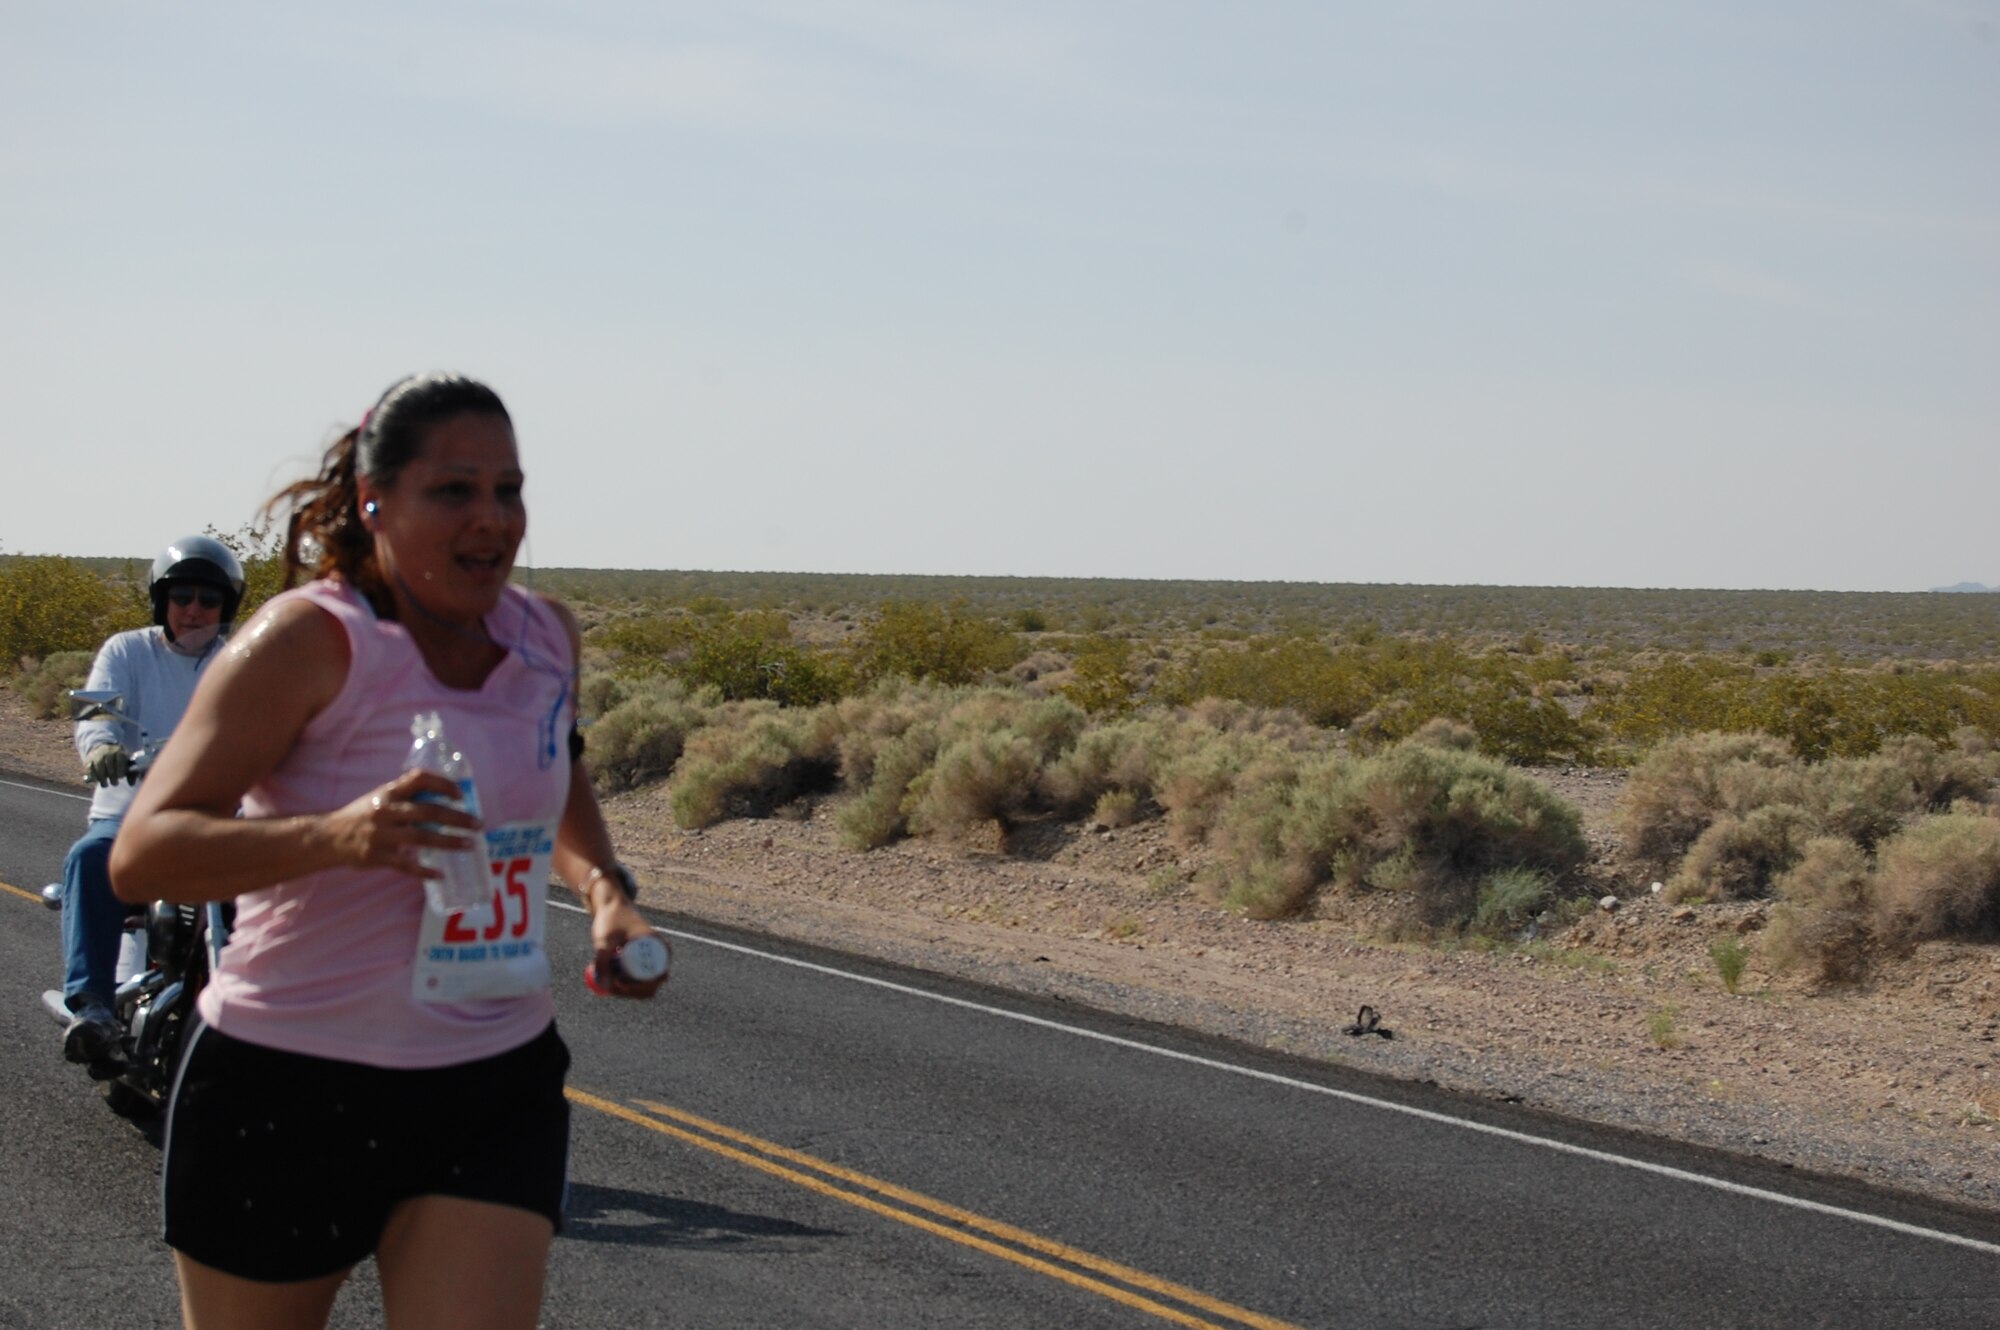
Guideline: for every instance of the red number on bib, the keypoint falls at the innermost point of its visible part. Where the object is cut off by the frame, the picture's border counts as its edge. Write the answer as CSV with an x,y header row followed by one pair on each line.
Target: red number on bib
x,y
518,889
454,924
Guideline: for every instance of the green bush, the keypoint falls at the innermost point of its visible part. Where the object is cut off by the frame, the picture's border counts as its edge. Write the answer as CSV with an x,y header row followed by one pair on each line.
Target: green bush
x,y
1834,943
45,684
881,813
1831,713
756,760
744,657
1509,898
1199,782
50,604
1122,756
1730,956
1940,775
1100,679
640,738
984,778
1429,823
1939,878
1863,799
1445,732
948,644
1685,783
1832,873
1741,857
1115,808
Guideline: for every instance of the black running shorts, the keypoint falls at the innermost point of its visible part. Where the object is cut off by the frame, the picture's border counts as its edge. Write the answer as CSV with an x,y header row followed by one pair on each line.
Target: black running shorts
x,y
282,1167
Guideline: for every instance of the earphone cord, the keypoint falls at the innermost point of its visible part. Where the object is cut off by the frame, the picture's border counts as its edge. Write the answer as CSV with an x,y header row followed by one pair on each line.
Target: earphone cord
x,y
565,679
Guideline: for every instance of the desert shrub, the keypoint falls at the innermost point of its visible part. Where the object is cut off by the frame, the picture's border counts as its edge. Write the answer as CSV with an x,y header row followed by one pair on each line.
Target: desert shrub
x,y
1863,799
744,656
1509,898
987,777
1730,956
45,684
1942,775
1832,943
948,644
1832,873
746,764
1834,712
599,691
1518,722
1940,877
1268,870
642,735
1198,783
642,644
1683,784
1124,756
1100,676
1672,698
49,604
868,722
1115,808
1325,686
746,666
1822,919
1740,857
1444,732
1051,724
880,813
1036,665
1386,690
1432,824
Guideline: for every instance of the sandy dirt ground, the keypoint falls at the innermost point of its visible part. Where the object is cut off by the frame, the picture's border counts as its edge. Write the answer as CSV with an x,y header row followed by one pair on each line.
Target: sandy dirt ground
x,y
1618,1018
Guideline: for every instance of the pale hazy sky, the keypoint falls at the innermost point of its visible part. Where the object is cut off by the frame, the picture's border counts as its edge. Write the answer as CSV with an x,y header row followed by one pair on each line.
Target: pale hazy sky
x,y
1595,292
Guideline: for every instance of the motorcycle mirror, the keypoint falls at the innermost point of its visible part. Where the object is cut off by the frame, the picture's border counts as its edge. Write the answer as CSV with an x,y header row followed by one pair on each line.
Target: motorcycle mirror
x,y
88,703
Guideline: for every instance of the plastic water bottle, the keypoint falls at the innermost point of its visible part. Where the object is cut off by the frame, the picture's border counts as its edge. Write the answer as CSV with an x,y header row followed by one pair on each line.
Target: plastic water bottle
x,y
465,886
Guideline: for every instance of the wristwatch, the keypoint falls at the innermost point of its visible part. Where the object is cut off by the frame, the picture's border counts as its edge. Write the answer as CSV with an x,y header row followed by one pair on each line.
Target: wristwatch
x,y
619,874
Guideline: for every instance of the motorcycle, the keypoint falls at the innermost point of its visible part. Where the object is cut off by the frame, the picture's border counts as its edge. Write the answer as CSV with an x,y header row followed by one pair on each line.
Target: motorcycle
x,y
168,952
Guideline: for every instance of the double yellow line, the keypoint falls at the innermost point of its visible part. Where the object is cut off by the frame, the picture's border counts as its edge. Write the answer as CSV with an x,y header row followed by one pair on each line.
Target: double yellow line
x,y
24,895
1059,1261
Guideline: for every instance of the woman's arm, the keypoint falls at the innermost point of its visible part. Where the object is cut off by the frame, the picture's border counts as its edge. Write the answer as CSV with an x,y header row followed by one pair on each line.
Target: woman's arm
x,y
182,840
583,844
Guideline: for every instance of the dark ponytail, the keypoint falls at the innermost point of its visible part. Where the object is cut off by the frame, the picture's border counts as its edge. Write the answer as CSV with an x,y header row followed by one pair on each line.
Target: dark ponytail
x,y
323,514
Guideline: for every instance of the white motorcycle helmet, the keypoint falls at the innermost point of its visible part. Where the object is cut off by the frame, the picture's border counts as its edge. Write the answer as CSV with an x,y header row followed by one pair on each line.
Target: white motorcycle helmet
x,y
198,561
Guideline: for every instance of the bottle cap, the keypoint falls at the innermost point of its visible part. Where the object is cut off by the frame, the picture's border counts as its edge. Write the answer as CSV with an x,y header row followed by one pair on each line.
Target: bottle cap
x,y
643,959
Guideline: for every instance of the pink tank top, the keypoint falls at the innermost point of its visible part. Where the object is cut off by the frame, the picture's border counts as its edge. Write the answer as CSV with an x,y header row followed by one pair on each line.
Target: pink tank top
x,y
325,964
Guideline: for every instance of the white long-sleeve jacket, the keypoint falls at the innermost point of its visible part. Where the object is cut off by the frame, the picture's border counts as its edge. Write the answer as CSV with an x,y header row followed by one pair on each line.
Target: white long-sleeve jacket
x,y
156,682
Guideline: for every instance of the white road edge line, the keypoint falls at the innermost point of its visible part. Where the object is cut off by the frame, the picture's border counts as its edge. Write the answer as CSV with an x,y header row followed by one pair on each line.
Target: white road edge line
x,y
43,789
1523,1138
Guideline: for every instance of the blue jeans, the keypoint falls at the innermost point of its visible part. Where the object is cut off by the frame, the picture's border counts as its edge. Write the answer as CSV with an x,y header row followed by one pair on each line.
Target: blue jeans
x,y
93,920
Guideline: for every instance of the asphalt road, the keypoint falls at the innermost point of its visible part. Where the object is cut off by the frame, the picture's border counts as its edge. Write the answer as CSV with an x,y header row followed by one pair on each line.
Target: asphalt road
x,y
791,1138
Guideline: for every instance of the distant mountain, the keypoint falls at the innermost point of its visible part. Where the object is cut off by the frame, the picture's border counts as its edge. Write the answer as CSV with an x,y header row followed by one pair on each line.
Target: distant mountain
x,y
1966,586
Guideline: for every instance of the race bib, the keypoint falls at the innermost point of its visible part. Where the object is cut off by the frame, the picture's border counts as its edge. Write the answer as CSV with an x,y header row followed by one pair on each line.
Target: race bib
x,y
497,951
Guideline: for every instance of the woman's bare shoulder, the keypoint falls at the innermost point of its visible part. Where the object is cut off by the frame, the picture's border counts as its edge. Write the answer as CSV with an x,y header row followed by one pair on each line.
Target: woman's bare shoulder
x,y
291,639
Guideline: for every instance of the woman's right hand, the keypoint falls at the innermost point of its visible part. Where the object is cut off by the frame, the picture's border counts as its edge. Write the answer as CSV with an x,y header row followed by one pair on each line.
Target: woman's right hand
x,y
386,827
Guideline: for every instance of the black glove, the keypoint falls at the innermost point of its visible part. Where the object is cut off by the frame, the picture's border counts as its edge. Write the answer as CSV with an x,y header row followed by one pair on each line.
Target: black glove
x,y
108,764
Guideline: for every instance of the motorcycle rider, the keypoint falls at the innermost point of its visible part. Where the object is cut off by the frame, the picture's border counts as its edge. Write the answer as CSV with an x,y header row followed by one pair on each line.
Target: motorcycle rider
x,y
196,586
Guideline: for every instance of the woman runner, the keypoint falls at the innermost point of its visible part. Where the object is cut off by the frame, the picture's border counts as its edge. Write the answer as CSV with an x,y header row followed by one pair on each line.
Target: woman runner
x,y
375,1077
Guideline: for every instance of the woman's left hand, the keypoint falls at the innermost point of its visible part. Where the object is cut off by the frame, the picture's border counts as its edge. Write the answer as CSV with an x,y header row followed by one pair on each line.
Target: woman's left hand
x,y
614,921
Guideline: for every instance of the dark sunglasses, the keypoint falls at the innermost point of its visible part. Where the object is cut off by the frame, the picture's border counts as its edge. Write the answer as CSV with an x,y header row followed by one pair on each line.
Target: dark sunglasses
x,y
185,596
